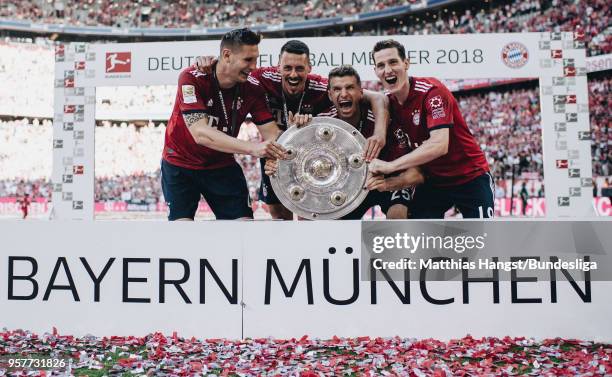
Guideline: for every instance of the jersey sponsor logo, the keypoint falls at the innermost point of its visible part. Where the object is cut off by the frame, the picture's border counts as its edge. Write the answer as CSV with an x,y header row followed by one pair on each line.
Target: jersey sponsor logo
x,y
189,95
515,55
210,103
118,62
437,111
416,117
213,121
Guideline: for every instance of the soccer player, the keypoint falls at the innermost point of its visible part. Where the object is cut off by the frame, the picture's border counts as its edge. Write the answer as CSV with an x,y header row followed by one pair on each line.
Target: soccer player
x,y
200,141
292,89
346,94
425,117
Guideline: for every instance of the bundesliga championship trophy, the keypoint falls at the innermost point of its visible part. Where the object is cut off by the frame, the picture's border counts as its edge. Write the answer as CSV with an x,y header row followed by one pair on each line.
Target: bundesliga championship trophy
x,y
324,174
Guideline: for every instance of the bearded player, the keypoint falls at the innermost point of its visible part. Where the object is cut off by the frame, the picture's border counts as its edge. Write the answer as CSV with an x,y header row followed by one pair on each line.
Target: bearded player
x,y
427,123
200,141
346,94
292,89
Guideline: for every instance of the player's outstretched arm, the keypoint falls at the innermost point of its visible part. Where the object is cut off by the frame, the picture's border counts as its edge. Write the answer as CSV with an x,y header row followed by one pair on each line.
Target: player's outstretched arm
x,y
432,148
210,137
380,108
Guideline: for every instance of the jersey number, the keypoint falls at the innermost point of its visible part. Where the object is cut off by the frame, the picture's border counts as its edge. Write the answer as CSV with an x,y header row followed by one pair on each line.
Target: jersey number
x,y
403,193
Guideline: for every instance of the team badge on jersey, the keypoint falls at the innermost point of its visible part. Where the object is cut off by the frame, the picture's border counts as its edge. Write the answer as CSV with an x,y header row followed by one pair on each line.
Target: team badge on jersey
x,y
189,94
239,102
416,117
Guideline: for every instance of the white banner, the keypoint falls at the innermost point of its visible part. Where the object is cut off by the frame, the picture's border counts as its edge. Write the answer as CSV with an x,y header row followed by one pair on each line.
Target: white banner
x,y
505,55
50,284
257,279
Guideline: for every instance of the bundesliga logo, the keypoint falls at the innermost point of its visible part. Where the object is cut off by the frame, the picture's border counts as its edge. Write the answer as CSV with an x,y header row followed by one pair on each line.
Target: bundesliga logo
x,y
118,62
515,55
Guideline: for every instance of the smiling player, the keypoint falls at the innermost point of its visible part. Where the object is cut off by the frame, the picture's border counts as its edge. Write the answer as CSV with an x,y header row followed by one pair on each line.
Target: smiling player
x,y
426,122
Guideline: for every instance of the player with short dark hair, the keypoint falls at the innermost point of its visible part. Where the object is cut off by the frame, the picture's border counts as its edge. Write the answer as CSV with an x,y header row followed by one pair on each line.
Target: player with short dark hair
x,y
428,130
200,141
292,90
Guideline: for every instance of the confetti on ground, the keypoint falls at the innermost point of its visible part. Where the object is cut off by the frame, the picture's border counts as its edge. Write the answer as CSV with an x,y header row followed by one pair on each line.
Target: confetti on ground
x,y
161,355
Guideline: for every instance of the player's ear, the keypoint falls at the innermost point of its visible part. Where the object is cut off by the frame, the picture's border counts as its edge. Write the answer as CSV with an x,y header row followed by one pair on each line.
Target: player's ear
x,y
407,62
225,54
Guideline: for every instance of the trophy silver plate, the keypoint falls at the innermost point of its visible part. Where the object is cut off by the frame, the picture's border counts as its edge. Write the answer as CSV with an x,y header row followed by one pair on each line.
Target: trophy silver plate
x,y
324,174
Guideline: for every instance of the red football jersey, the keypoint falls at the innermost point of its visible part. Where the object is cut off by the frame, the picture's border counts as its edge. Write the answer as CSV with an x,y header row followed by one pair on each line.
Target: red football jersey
x,y
314,101
430,106
366,126
198,93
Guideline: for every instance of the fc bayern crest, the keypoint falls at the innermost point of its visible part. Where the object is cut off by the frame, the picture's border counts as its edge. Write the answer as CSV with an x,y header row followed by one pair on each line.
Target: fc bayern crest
x,y
416,117
515,55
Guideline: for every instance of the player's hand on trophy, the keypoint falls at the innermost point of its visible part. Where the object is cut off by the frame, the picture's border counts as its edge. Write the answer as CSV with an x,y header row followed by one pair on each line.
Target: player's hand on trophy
x,y
299,120
271,167
377,166
204,64
376,182
374,144
269,149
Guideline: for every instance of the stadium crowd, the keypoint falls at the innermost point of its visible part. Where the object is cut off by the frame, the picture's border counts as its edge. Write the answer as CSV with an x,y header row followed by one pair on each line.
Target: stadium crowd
x,y
590,16
185,14
600,100
506,123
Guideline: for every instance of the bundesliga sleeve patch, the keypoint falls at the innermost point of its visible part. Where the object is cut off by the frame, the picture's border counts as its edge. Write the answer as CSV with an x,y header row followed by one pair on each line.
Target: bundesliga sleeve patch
x,y
189,94
437,110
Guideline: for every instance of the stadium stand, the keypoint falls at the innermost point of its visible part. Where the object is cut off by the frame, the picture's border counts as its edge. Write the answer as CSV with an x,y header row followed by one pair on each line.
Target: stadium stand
x,y
355,17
